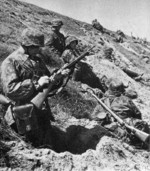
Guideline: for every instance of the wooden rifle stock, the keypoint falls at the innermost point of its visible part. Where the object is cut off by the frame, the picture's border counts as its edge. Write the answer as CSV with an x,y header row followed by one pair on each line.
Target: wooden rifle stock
x,y
41,96
143,136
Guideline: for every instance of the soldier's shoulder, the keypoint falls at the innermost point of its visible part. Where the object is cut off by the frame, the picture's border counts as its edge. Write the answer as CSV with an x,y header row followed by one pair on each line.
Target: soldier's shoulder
x,y
9,58
121,99
17,55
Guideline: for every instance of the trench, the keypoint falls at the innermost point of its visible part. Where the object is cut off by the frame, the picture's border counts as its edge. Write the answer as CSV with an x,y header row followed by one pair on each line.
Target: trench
x,y
77,139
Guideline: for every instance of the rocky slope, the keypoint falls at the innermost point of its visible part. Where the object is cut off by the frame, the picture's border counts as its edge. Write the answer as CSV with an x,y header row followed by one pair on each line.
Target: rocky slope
x,y
80,144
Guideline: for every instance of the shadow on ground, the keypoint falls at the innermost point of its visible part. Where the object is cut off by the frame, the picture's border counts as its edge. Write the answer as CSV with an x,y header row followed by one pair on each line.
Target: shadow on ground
x,y
77,139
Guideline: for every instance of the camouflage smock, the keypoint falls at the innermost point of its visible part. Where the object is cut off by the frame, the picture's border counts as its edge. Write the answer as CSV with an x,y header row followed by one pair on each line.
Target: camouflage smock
x,y
19,75
69,56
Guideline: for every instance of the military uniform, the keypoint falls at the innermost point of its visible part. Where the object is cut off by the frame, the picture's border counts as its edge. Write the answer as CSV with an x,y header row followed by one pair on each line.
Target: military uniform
x,y
69,54
19,76
54,45
97,25
121,105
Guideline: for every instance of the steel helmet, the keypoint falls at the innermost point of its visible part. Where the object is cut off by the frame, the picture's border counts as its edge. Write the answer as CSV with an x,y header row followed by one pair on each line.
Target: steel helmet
x,y
32,37
56,22
108,50
70,39
117,85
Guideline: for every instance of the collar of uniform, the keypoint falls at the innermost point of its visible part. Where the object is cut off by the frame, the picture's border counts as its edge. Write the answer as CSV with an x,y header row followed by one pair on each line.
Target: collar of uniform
x,y
25,57
22,53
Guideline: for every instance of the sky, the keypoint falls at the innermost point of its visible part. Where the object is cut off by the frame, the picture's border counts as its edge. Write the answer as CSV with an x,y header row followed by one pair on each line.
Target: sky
x,y
126,15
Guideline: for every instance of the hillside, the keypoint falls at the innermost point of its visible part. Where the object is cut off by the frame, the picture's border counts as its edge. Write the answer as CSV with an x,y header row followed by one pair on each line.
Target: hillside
x,y
80,143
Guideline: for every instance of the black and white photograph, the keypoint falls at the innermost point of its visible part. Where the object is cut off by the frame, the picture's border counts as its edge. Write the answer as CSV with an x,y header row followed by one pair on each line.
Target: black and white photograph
x,y
74,85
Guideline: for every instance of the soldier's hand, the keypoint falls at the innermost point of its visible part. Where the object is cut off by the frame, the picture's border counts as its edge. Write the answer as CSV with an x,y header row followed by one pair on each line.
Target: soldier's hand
x,y
98,92
44,80
65,72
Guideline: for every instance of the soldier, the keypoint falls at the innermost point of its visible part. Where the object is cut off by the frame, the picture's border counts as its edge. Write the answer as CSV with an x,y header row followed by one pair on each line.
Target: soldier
x,y
119,39
120,36
23,75
121,105
55,44
70,53
97,25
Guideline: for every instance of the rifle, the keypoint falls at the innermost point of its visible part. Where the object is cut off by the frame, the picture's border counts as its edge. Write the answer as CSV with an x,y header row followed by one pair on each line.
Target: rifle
x,y
143,136
41,96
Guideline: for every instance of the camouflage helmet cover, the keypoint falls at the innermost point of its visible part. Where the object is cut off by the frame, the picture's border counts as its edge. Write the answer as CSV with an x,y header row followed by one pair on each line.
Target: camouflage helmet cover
x,y
32,37
56,22
70,39
116,85
108,50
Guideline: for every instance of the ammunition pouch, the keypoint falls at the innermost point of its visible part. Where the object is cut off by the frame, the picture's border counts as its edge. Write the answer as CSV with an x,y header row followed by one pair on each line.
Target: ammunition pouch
x,y
25,118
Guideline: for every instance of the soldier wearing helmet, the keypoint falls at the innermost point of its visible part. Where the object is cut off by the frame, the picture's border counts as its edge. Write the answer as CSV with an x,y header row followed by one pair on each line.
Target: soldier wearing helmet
x,y
70,53
32,37
116,88
55,43
24,74
123,106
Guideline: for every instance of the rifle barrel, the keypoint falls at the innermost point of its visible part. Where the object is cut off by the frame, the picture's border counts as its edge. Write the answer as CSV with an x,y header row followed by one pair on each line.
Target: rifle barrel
x,y
79,58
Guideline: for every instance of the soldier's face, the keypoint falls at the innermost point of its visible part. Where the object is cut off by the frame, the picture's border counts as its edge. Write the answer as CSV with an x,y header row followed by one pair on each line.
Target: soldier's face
x,y
57,28
33,50
73,45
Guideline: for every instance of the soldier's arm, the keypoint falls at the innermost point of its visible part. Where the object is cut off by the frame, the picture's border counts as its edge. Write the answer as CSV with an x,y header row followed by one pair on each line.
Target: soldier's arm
x,y
13,87
136,112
